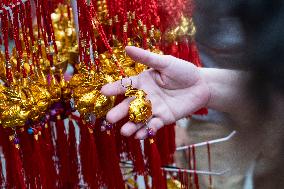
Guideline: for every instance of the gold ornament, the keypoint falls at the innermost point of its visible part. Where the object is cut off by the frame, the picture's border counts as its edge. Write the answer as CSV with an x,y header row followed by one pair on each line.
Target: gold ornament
x,y
39,98
2,66
103,105
140,109
86,102
88,99
173,184
14,116
94,102
186,28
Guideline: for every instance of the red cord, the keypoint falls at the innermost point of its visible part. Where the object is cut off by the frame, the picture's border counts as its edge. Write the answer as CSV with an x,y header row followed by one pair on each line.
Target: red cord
x,y
196,182
209,164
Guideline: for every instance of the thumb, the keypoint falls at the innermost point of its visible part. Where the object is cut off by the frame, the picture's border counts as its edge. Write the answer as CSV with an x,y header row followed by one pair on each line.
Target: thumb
x,y
153,60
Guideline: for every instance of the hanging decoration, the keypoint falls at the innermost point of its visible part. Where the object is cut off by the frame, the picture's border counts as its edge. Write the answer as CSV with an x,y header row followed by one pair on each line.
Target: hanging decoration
x,y
53,131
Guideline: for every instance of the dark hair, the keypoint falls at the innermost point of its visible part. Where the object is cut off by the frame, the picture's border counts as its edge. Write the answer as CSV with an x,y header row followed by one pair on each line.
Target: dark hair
x,y
263,23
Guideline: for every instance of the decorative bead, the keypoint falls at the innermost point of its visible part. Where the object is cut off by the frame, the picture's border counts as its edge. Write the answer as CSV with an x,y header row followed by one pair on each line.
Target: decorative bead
x,y
150,133
30,131
108,126
16,140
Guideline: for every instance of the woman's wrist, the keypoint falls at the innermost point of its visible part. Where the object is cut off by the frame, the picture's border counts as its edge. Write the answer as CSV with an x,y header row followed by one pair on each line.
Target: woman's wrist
x,y
225,88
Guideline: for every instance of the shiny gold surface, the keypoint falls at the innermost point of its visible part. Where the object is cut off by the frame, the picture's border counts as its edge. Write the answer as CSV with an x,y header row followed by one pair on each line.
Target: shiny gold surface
x,y
140,109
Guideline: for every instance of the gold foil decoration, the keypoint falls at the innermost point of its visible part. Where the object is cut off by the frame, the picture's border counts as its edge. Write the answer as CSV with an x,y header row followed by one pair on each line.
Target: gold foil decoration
x,y
14,115
94,102
173,184
140,109
2,66
86,87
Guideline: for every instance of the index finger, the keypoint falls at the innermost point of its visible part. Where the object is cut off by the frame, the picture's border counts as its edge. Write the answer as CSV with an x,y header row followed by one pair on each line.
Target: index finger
x,y
153,60
119,87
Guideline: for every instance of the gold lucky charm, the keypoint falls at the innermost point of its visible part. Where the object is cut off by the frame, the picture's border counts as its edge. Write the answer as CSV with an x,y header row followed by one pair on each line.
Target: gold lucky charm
x,y
87,95
140,109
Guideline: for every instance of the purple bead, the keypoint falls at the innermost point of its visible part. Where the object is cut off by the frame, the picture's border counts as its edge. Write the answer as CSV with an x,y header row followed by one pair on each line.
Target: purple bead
x,y
47,116
53,112
150,133
108,126
16,140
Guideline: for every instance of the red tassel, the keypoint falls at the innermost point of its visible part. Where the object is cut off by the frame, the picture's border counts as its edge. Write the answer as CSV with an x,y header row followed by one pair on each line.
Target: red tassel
x,y
18,165
189,166
109,160
14,167
62,151
194,55
180,176
135,154
163,145
39,164
6,151
28,160
48,151
186,179
184,51
89,156
202,111
73,157
173,49
196,182
209,165
166,144
154,164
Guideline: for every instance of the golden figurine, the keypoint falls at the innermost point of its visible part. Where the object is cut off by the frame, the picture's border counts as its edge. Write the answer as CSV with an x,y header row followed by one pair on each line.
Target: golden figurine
x,y
94,102
140,109
14,116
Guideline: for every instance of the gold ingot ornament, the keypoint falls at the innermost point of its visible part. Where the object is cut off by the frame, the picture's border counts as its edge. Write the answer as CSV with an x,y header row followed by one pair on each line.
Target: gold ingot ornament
x,y
14,116
94,102
140,109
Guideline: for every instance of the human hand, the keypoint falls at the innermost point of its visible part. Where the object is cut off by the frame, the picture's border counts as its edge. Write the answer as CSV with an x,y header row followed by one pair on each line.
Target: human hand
x,y
175,88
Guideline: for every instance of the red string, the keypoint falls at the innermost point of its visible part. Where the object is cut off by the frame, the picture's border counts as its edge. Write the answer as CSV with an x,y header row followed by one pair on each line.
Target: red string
x,y
109,159
18,166
29,24
154,163
48,151
186,180
189,166
135,153
209,164
41,30
62,150
90,11
40,165
73,158
17,40
6,44
196,182
24,20
91,167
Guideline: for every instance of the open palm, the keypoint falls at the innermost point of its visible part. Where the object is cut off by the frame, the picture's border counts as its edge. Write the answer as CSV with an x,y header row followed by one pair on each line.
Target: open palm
x,y
175,88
